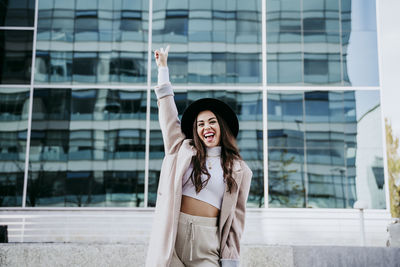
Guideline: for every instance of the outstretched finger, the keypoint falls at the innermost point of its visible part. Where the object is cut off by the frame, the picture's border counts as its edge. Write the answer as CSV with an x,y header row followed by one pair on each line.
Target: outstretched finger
x,y
167,49
162,50
156,53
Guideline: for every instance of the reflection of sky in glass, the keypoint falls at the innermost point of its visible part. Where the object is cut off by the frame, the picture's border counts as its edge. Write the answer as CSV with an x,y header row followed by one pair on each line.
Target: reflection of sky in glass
x,y
362,57
365,101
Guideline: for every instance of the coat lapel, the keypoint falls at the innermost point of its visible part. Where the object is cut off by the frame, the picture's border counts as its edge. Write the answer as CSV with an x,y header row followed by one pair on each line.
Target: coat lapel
x,y
183,161
230,199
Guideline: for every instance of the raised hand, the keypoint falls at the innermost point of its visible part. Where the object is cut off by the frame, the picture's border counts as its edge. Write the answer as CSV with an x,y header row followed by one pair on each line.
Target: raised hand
x,y
161,56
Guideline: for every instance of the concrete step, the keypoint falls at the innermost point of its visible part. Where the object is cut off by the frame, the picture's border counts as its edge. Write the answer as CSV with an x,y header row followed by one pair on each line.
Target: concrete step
x,y
96,254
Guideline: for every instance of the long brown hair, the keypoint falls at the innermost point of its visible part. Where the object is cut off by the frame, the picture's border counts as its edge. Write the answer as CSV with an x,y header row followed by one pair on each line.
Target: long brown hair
x,y
229,153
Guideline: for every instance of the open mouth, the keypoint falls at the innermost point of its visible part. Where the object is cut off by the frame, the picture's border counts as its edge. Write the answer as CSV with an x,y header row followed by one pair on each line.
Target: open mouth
x,y
209,137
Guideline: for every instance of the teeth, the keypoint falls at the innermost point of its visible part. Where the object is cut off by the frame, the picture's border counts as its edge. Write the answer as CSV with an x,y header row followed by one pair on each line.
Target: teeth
x,y
209,134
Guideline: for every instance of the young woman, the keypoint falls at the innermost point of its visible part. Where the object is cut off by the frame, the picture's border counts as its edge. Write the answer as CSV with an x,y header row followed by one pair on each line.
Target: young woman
x,y
203,186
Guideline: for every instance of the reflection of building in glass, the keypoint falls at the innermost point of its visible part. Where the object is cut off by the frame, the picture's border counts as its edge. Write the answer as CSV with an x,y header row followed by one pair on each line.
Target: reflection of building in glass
x,y
308,42
311,135
91,42
87,148
216,41
13,126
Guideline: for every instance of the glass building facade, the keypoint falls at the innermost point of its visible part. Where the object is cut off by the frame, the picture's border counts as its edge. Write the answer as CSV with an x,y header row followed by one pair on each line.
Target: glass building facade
x,y
78,116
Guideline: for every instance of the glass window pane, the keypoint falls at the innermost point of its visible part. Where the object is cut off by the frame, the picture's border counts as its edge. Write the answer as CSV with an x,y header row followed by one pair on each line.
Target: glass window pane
x,y
248,107
286,182
92,42
14,106
336,43
215,43
17,13
325,151
87,148
15,56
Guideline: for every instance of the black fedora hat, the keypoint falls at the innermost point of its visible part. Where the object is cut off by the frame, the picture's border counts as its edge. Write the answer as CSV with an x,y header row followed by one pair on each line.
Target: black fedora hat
x,y
214,105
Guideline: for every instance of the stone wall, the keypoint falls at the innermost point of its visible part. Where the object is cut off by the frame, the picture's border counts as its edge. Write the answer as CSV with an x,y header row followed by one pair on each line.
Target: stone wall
x,y
80,254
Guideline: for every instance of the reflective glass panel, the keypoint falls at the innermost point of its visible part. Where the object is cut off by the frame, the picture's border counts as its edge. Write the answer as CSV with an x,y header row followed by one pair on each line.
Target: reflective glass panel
x,y
322,42
211,42
17,13
15,56
325,149
14,106
87,148
92,42
248,107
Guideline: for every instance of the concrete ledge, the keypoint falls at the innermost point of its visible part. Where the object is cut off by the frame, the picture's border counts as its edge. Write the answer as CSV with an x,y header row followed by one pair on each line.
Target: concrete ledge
x,y
80,254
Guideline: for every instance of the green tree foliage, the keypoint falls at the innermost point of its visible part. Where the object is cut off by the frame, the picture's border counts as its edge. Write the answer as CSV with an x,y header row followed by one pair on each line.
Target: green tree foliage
x,y
392,144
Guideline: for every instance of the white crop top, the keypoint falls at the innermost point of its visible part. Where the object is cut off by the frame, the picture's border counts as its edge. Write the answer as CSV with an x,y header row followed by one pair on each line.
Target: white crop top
x,y
213,192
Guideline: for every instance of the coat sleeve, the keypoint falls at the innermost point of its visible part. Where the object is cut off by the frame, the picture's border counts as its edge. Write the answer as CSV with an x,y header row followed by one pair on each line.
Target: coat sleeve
x,y
168,118
231,254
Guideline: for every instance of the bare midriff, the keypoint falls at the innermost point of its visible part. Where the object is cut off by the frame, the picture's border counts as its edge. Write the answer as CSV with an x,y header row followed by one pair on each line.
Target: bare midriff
x,y
197,207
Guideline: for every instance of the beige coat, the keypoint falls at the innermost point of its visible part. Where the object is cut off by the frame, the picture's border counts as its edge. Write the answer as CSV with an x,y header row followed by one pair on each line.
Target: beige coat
x,y
178,154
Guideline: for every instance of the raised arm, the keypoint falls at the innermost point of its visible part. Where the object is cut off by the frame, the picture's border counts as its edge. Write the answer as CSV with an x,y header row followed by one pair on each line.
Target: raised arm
x,y
167,111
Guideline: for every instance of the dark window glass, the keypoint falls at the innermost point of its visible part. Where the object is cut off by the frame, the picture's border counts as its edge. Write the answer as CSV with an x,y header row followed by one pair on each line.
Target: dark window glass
x,y
15,56
14,106
248,107
320,149
176,22
314,24
127,67
17,13
84,67
86,20
318,67
83,141
131,20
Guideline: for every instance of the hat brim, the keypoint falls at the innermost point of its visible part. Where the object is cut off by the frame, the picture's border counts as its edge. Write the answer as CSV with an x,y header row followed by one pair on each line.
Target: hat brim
x,y
214,105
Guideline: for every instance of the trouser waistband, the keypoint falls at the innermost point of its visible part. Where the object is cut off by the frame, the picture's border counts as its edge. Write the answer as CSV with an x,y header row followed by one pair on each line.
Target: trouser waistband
x,y
198,220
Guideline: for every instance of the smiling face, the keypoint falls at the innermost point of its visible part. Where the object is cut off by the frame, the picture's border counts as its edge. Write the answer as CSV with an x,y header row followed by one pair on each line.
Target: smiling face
x,y
208,128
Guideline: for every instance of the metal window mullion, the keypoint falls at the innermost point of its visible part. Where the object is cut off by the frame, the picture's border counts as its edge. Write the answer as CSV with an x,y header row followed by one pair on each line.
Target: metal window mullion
x,y
196,87
28,135
383,123
264,98
148,103
91,86
264,42
140,87
18,86
11,28
341,43
305,152
322,88
265,146
216,87
302,41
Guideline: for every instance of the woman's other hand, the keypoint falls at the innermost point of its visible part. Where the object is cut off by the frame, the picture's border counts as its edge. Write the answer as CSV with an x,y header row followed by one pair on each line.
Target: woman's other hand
x,y
161,56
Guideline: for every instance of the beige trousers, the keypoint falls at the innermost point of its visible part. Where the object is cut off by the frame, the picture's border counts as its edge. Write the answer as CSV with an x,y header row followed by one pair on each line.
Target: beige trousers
x,y
197,242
